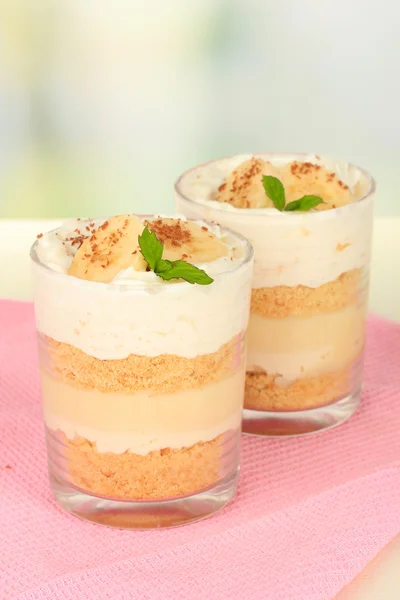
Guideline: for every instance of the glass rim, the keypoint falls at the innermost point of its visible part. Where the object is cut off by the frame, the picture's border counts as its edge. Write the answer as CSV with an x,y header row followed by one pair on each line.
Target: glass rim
x,y
139,284
271,212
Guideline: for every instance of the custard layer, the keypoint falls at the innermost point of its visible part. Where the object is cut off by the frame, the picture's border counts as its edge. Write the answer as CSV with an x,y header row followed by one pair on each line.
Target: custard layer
x,y
300,347
143,421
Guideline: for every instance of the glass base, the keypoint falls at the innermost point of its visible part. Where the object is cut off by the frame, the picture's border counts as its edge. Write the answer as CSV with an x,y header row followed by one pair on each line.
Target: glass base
x,y
142,514
300,422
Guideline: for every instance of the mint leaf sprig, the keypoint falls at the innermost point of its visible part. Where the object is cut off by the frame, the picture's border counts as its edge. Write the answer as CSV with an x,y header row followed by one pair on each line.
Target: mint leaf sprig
x,y
276,192
152,250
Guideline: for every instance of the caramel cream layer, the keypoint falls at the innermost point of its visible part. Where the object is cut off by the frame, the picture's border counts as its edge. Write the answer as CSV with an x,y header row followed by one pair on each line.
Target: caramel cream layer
x,y
143,422
298,347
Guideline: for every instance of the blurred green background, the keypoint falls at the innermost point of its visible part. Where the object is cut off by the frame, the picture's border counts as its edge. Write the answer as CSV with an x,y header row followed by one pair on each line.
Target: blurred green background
x,y
103,104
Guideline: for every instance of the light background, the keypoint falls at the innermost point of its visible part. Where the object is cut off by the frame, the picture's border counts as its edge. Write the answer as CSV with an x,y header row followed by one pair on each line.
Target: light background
x,y
103,104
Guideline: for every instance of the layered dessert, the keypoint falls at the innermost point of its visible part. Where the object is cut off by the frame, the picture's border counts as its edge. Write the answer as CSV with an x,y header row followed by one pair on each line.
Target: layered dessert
x,y
141,326
309,219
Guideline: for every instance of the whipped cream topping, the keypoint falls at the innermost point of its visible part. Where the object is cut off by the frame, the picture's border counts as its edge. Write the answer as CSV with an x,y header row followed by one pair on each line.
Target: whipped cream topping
x,y
308,248
138,312
146,420
56,249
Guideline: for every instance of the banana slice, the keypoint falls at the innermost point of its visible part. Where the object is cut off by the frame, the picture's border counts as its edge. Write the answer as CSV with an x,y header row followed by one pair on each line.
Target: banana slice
x,y
304,178
187,241
110,249
244,188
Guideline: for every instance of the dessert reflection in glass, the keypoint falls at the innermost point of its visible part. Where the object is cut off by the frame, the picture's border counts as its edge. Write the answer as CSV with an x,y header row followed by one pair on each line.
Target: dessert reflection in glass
x,y
141,325
309,220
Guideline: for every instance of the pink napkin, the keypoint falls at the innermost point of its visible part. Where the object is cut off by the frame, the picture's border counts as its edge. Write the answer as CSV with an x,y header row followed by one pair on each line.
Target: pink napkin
x,y
310,513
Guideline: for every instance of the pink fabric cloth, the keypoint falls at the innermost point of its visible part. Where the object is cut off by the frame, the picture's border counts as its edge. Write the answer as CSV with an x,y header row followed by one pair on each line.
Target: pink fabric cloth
x,y
310,513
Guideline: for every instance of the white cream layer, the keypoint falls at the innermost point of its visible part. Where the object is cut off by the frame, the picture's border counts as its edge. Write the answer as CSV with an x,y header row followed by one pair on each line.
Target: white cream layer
x,y
138,313
291,249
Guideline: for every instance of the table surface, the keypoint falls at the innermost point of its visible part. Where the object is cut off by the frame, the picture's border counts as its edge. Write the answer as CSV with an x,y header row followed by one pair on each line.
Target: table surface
x,y
380,579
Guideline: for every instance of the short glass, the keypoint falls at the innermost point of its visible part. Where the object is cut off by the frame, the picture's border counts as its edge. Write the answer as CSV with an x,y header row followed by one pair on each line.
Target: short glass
x,y
309,298
149,439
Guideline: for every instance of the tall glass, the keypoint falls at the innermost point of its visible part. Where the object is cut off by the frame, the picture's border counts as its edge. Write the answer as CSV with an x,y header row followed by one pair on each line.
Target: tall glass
x,y
309,298
143,393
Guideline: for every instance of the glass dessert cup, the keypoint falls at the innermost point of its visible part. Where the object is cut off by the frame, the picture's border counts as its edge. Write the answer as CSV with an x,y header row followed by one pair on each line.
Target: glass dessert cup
x,y
143,386
305,342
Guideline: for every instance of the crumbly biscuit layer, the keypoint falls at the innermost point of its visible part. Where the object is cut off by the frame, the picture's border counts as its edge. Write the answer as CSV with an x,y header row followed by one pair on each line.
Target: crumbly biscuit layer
x,y
282,301
161,474
262,392
162,374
